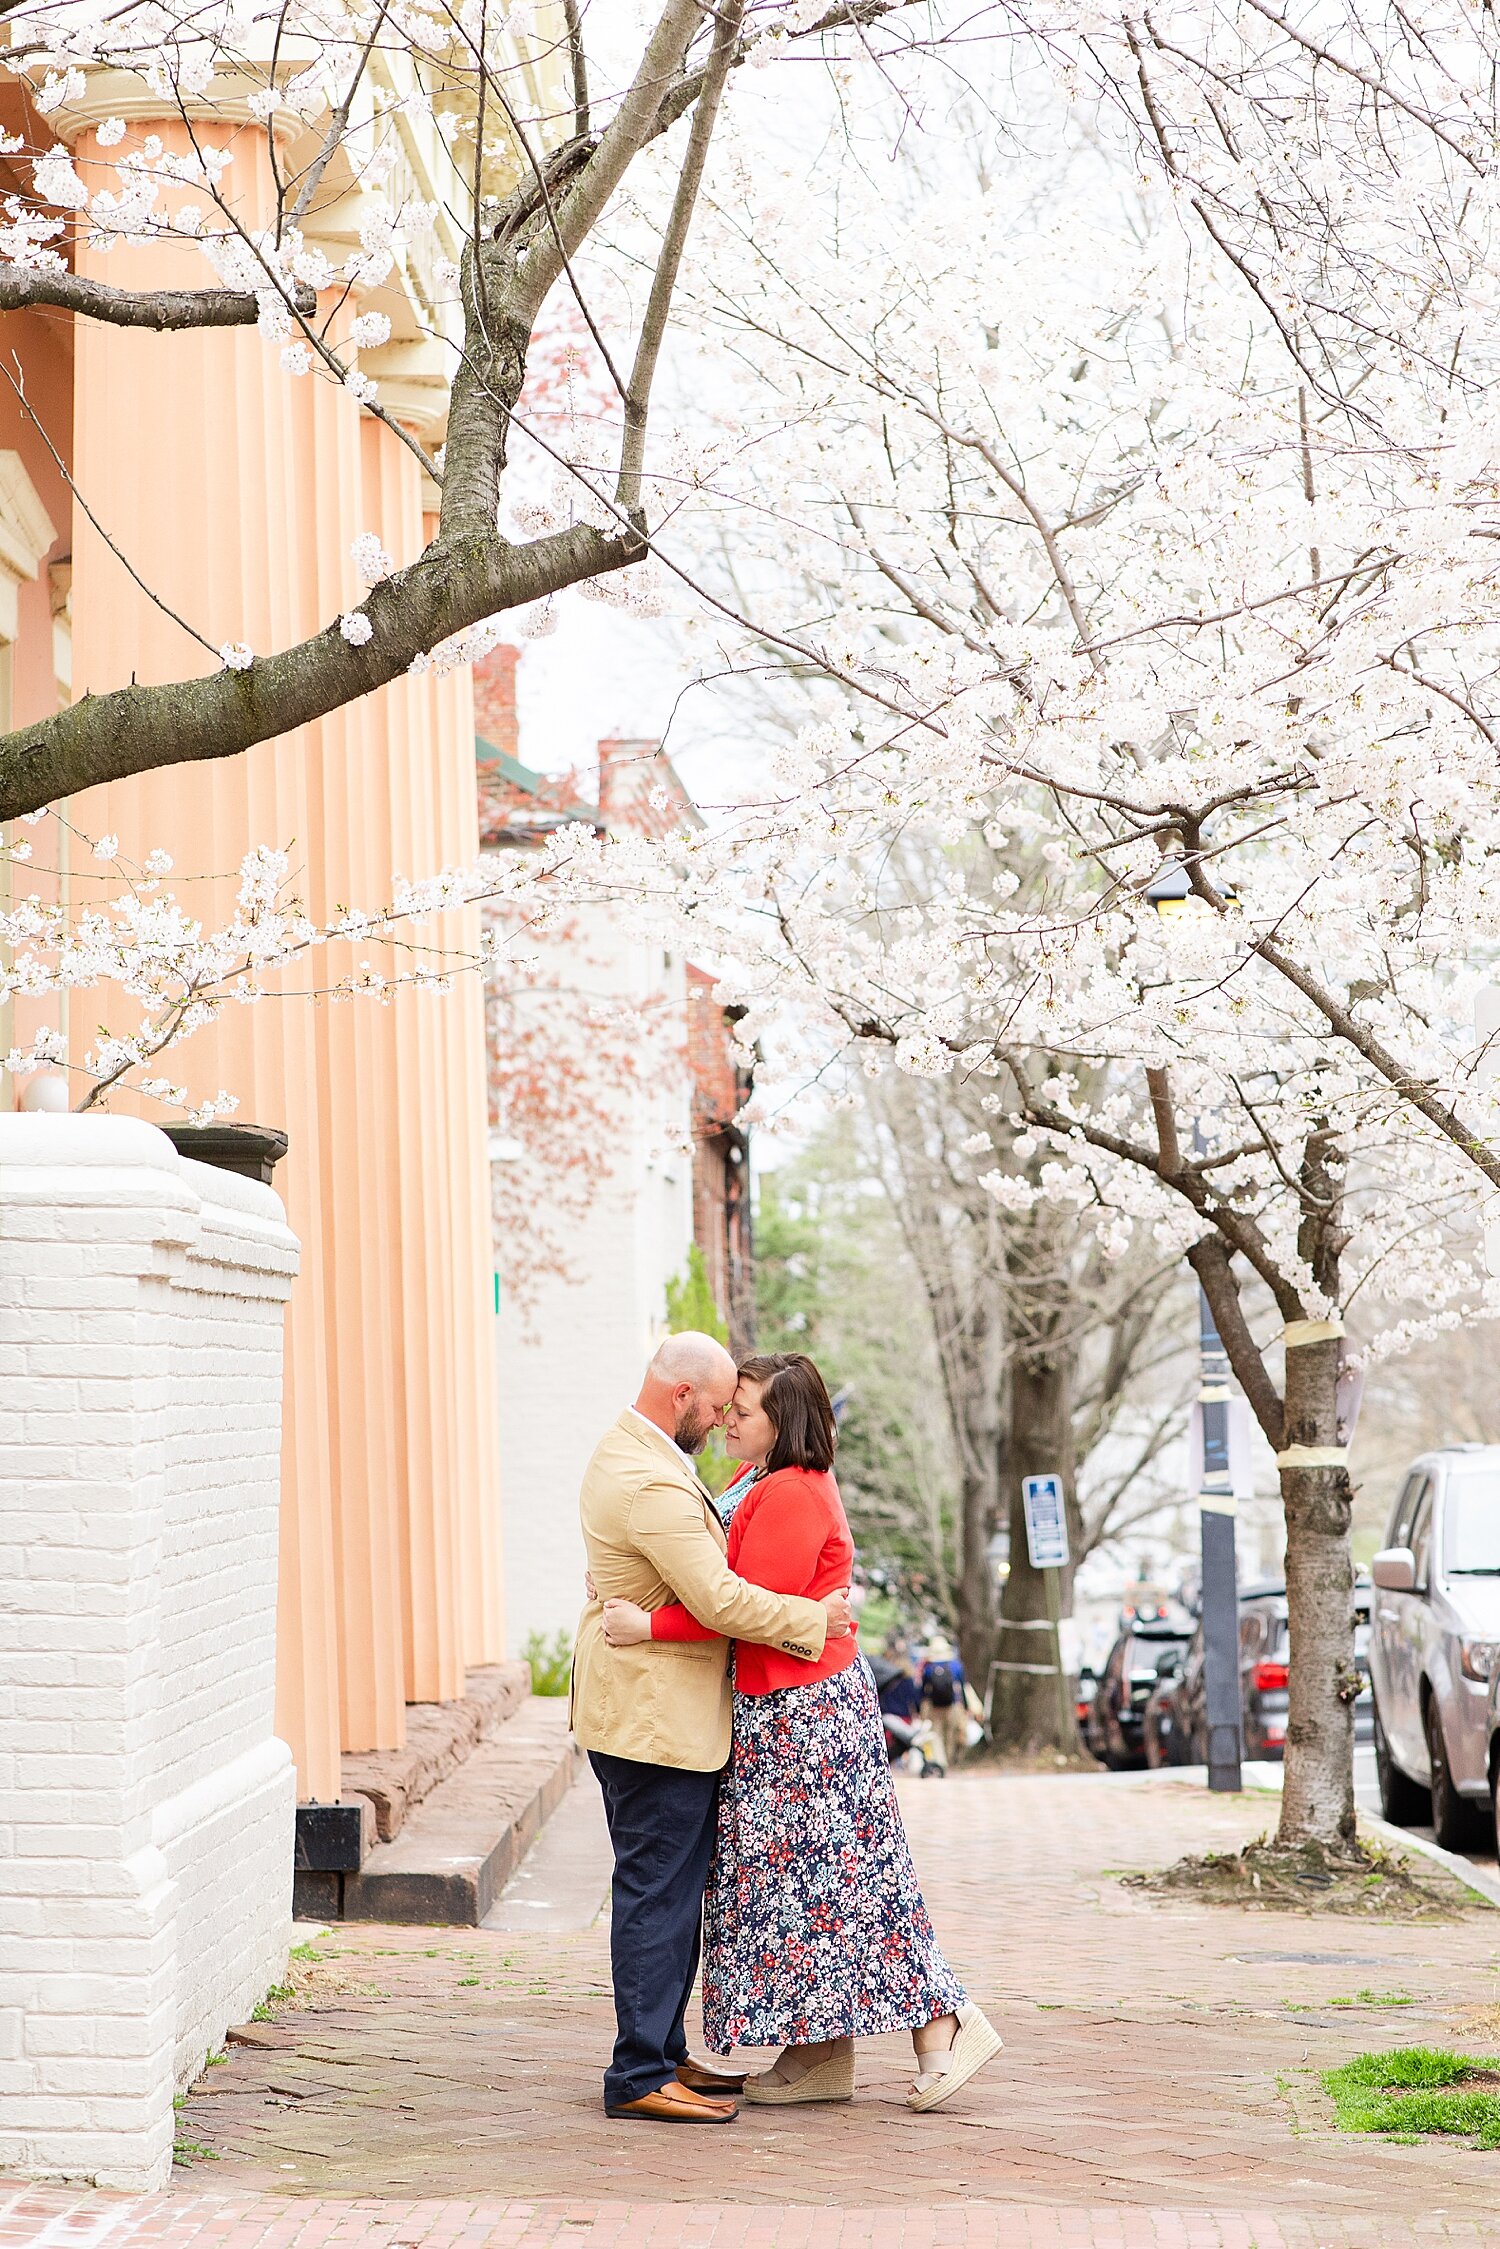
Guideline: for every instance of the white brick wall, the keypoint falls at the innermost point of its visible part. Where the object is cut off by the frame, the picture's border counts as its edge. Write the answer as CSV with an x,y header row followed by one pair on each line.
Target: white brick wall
x,y
146,1807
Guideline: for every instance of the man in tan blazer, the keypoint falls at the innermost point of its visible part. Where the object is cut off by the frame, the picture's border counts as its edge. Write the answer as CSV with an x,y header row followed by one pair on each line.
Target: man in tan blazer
x,y
656,1719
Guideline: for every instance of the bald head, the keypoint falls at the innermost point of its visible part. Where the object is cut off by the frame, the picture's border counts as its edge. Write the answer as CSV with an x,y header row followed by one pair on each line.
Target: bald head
x,y
692,1357
688,1384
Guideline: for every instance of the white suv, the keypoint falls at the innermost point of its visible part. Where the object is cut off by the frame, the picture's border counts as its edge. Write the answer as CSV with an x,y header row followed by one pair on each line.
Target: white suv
x,y
1435,1644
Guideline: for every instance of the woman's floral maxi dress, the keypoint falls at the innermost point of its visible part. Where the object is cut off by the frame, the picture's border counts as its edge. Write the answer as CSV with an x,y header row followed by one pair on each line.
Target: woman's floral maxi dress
x,y
814,1926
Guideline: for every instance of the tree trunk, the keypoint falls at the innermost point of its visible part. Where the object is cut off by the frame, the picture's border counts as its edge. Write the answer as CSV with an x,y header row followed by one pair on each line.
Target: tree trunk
x,y
1317,1802
1028,1711
974,1377
974,1589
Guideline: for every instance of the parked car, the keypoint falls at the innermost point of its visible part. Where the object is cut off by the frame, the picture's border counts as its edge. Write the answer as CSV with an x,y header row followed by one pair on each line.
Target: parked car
x,y
1175,1724
1435,1644
1114,1729
1083,1703
1161,1722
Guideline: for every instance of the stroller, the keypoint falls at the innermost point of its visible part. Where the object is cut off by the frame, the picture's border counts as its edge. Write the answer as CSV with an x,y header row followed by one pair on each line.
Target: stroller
x,y
906,1739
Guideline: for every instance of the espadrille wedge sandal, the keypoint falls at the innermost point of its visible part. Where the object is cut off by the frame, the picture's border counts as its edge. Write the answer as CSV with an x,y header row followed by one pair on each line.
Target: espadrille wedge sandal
x,y
832,2079
975,2042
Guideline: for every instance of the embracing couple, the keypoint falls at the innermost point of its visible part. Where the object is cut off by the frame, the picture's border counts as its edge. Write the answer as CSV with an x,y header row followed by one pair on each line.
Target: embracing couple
x,y
734,1729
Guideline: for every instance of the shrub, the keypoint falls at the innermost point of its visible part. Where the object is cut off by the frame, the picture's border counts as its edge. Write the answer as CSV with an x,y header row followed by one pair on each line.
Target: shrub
x,y
551,1662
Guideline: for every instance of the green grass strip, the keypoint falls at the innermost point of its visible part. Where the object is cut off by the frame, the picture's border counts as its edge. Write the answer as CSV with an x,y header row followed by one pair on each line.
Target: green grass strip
x,y
1415,2090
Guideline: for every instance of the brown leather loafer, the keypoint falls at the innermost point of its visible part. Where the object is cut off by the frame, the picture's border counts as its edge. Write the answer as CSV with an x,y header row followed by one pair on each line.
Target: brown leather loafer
x,y
676,2104
702,2077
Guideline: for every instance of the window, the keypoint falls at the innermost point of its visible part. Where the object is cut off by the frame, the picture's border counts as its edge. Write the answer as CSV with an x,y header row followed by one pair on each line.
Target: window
x,y
1404,1511
1420,1540
1471,1523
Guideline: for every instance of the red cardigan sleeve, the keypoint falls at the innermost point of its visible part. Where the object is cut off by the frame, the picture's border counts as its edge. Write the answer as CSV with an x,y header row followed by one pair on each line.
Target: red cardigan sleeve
x,y
673,1621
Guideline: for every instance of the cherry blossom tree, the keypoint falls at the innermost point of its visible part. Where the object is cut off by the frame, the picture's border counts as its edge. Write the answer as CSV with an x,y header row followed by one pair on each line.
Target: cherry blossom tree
x,y
1138,505
480,70
1125,499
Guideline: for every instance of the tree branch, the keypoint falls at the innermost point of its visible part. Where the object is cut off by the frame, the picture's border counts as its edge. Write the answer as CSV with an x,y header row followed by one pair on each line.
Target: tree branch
x,y
161,309
669,259
1169,1156
1345,1026
1239,1231
580,69
140,729
633,125
1210,1261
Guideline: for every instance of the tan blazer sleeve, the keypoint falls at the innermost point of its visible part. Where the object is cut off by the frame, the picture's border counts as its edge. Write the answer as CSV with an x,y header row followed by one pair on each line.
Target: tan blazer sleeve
x,y
667,1526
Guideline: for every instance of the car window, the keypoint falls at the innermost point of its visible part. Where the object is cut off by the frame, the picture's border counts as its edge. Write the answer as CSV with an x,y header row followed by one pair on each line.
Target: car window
x,y
1404,1511
1471,1523
1420,1539
1146,1654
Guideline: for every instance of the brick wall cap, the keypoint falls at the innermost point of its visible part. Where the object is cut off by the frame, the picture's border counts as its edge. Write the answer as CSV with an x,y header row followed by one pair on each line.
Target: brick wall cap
x,y
87,1145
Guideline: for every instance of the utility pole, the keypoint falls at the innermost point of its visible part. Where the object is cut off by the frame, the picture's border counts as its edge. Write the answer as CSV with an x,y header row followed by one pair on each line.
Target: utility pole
x,y
1221,1608
1172,896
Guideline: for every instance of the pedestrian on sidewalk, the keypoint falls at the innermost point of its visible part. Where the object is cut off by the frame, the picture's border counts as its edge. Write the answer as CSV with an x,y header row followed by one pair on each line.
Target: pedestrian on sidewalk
x,y
945,1699
656,1723
815,1929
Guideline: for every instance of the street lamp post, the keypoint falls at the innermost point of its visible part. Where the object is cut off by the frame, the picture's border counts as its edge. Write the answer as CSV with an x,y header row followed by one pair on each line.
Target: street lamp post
x,y
1220,1570
1171,894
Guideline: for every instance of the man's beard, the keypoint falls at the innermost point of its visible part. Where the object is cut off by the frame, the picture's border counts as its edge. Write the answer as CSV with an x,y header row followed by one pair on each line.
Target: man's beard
x,y
693,1425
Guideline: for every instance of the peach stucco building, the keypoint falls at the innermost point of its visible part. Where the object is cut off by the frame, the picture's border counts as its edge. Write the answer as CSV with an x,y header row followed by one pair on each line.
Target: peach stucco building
x,y
235,493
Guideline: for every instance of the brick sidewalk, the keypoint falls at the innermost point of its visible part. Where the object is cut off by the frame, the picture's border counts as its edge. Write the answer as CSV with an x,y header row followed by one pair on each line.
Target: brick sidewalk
x,y
193,2221
1159,2084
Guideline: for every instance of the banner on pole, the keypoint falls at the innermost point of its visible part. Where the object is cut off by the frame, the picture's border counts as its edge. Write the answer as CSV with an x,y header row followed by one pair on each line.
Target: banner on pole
x,y
1237,1463
1046,1521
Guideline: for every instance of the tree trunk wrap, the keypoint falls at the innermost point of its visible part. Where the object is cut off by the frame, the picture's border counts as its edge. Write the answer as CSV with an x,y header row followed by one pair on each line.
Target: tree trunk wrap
x,y
1317,1802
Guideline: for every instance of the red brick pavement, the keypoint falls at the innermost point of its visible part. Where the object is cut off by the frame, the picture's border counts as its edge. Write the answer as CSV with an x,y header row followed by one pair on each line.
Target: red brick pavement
x,y
1159,2084
41,2218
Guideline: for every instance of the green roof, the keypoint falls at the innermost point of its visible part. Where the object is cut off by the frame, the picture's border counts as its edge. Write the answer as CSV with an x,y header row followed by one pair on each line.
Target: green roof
x,y
500,765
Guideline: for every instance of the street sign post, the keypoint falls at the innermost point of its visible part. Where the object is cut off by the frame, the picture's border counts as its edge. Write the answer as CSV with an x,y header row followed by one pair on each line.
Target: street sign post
x,y
1046,1509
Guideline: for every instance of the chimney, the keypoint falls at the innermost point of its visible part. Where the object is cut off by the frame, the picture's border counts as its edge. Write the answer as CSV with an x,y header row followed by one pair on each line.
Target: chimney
x,y
629,769
495,718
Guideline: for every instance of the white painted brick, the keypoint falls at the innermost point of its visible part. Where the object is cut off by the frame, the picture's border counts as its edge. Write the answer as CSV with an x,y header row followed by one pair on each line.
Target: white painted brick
x,y
145,1807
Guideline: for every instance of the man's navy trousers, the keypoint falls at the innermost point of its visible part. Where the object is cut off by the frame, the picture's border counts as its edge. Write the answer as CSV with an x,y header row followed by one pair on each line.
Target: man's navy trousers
x,y
661,1824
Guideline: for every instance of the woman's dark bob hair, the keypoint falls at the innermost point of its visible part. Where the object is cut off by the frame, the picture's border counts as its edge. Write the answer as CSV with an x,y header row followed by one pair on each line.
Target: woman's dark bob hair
x,y
792,1393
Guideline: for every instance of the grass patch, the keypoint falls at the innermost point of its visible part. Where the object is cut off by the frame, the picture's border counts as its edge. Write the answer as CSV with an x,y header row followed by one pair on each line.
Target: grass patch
x,y
1366,1881
1418,2090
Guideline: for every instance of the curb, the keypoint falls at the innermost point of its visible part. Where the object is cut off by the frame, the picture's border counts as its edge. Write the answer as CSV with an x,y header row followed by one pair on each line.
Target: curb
x,y
1473,1877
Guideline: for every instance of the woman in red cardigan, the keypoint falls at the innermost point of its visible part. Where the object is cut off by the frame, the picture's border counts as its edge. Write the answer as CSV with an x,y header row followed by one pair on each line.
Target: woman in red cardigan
x,y
814,1929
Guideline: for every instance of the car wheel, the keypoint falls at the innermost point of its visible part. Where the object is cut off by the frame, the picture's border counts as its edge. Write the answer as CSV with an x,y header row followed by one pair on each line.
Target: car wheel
x,y
1495,1794
1156,1754
1453,1817
1404,1802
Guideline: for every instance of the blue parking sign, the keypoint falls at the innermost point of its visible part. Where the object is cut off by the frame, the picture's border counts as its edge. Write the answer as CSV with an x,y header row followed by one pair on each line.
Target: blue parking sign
x,y
1046,1521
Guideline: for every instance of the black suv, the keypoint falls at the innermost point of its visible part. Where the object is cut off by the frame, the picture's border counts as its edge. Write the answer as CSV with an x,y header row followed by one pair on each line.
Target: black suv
x,y
1113,1731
